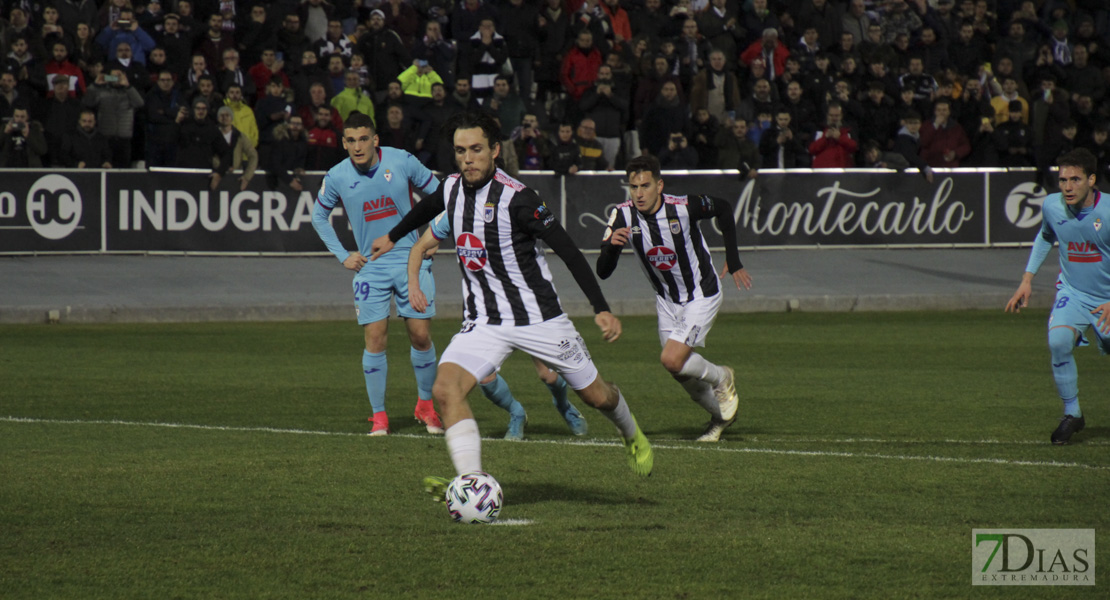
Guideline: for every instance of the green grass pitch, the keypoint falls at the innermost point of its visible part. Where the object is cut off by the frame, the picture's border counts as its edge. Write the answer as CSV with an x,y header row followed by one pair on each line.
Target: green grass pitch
x,y
229,460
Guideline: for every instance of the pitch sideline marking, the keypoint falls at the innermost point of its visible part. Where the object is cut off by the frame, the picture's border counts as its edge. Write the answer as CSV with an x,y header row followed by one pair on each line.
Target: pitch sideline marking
x,y
596,443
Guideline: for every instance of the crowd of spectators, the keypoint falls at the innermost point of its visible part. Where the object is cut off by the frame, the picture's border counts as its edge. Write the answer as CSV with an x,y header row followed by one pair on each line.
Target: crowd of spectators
x,y
576,84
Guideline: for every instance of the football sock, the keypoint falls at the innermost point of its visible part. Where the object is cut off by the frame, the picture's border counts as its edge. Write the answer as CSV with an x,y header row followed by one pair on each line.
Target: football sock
x,y
1071,407
464,444
559,394
424,366
697,367
621,416
1061,342
702,393
374,369
498,392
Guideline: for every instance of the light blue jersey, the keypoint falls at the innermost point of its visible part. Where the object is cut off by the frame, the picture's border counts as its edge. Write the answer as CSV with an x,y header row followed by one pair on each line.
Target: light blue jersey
x,y
1084,239
374,201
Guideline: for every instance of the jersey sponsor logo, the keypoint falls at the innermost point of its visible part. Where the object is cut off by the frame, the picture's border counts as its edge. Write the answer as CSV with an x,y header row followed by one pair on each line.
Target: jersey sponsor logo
x,y
661,257
543,214
380,208
636,230
676,227
1083,252
488,212
472,254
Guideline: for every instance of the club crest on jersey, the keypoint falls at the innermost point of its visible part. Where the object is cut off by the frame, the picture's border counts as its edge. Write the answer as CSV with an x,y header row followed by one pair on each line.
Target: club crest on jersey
x,y
661,257
472,254
489,212
1098,224
388,176
676,227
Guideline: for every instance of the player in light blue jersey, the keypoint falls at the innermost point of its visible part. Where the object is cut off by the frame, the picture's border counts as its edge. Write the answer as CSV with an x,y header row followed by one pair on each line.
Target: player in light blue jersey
x,y
375,186
1075,217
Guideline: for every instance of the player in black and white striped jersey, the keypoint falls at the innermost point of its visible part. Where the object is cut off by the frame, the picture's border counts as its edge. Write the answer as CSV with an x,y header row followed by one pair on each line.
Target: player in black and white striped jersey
x,y
663,232
511,303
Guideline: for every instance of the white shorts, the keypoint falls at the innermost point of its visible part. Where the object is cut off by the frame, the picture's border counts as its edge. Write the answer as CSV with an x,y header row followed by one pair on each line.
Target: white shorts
x,y
480,349
687,323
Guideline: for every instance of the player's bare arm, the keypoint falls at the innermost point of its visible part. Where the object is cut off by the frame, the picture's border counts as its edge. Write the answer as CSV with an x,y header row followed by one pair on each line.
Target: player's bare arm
x,y
426,243
355,261
609,324
742,278
380,247
1020,298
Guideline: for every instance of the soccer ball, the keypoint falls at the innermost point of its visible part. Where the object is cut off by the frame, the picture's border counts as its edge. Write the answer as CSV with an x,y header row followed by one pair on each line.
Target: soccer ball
x,y
474,498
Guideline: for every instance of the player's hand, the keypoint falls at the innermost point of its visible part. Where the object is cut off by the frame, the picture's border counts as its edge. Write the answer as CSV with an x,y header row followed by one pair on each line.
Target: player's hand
x,y
610,325
417,300
354,261
1103,324
380,246
1021,298
741,277
620,236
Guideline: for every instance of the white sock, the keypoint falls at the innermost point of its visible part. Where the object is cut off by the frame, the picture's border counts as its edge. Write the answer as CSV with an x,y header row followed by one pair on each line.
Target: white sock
x,y
697,367
702,393
465,446
621,416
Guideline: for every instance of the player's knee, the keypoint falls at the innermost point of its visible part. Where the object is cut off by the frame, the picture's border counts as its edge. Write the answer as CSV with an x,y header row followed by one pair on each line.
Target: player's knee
x,y
1061,340
673,364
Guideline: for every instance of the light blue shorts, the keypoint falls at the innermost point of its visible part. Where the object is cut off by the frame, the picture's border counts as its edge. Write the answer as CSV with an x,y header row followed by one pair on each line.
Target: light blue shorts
x,y
1071,311
376,284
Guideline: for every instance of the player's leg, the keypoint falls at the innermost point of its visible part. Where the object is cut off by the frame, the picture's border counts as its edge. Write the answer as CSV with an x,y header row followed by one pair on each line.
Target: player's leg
x,y
558,388
496,389
422,352
556,343
1065,328
375,370
682,328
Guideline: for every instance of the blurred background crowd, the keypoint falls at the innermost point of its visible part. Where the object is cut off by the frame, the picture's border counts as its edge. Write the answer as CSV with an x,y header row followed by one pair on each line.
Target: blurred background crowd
x,y
576,84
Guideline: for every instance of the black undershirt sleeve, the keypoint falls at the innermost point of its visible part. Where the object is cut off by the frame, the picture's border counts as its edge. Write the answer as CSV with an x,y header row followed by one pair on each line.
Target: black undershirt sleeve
x,y
424,211
723,211
610,254
559,240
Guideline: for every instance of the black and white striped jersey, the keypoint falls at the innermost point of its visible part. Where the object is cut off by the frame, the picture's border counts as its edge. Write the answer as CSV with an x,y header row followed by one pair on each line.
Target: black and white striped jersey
x,y
505,278
673,253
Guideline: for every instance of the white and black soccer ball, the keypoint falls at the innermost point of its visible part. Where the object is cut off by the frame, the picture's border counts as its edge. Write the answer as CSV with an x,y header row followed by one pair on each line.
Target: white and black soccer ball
x,y
474,498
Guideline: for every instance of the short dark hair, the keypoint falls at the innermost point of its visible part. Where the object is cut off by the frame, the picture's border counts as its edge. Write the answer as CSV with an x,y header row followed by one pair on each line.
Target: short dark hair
x,y
1081,158
357,119
645,163
470,120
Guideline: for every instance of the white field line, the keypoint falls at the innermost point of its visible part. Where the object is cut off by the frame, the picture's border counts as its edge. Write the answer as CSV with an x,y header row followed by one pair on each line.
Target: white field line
x,y
687,447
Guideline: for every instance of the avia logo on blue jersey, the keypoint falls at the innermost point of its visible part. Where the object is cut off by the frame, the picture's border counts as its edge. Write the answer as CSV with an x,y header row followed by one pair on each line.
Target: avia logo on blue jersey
x,y
1083,252
378,209
472,254
661,257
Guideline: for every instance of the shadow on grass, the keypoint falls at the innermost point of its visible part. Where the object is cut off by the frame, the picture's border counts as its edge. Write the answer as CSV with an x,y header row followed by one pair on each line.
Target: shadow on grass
x,y
534,493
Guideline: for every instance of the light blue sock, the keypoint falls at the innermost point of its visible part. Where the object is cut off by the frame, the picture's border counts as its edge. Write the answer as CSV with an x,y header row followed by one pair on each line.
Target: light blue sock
x,y
424,366
1061,342
498,392
559,394
374,369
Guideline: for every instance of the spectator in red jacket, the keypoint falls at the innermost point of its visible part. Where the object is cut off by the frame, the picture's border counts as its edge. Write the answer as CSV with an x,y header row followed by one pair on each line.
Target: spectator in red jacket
x,y
771,51
943,141
580,66
833,146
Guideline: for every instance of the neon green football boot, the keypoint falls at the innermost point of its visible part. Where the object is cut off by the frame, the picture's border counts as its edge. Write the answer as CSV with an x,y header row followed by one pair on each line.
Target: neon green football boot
x,y
436,487
640,456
